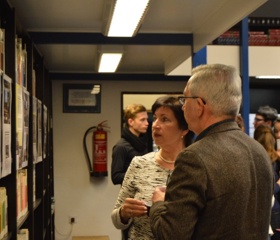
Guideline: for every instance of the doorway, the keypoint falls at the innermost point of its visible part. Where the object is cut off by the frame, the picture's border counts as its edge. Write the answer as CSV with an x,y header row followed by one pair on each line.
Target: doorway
x,y
147,99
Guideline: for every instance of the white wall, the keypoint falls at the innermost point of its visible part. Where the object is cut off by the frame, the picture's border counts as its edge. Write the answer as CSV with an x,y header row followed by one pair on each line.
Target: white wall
x,y
90,200
263,60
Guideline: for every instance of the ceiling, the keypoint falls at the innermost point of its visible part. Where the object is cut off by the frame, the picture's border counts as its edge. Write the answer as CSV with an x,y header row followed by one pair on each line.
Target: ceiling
x,y
69,33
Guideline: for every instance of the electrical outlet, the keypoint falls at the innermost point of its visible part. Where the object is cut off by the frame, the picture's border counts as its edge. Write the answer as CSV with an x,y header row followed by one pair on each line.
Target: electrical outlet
x,y
72,220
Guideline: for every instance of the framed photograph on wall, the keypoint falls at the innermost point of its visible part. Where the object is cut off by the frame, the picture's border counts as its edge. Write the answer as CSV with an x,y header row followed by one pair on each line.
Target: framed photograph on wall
x,y
81,98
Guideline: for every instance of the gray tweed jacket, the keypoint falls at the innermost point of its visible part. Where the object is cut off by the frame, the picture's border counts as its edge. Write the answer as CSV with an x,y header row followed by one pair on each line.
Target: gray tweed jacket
x,y
221,188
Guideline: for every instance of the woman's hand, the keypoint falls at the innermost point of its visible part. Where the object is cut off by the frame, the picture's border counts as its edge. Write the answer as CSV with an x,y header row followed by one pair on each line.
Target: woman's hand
x,y
159,194
132,208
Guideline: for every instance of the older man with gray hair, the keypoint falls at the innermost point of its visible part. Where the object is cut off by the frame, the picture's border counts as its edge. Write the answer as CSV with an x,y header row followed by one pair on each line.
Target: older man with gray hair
x,y
222,185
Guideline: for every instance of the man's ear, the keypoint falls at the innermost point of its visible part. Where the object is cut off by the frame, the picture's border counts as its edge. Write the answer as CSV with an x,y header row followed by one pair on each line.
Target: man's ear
x,y
200,101
130,121
200,106
269,123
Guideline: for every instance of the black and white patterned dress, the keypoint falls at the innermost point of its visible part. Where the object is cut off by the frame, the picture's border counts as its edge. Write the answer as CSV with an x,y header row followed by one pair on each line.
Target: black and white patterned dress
x,y
141,178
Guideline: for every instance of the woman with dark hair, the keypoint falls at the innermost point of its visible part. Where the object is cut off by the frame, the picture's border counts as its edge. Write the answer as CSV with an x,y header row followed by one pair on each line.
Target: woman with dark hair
x,y
265,136
170,132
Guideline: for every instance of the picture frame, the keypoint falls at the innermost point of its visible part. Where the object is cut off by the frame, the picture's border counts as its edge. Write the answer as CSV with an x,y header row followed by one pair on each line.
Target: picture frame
x,y
78,98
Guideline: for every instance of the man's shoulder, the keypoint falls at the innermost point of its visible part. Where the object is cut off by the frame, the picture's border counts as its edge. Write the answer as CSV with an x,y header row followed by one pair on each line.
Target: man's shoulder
x,y
222,141
122,143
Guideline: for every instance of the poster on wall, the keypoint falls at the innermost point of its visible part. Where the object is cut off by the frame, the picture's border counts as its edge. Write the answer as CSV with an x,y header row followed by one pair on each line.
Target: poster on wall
x,y
81,98
6,124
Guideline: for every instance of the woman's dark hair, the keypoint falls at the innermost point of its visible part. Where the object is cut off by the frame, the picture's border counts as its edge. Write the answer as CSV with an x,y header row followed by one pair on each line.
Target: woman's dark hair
x,y
174,104
264,135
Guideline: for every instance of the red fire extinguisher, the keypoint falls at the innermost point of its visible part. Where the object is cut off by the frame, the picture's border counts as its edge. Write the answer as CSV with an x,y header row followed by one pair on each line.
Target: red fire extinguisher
x,y
98,167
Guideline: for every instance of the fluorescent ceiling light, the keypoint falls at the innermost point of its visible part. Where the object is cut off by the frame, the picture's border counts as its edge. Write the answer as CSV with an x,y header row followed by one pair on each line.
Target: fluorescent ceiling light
x,y
95,89
268,77
127,17
109,62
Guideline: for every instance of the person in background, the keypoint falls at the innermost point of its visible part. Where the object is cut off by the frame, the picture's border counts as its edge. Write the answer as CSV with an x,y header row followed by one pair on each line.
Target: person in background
x,y
170,132
265,115
133,141
222,184
264,135
276,129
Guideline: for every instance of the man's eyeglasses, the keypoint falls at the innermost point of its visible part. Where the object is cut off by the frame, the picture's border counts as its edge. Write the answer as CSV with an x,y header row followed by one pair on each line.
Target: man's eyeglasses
x,y
182,99
258,119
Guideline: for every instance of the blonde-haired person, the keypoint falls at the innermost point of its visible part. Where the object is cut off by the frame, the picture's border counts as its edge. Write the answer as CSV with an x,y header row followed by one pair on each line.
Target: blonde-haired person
x,y
133,141
264,135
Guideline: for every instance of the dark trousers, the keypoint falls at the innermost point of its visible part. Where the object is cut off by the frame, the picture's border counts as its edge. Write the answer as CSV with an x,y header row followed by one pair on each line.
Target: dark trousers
x,y
275,224
275,236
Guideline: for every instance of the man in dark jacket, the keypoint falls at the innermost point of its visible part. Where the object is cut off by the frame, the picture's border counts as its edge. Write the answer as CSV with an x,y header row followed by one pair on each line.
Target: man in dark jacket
x,y
133,141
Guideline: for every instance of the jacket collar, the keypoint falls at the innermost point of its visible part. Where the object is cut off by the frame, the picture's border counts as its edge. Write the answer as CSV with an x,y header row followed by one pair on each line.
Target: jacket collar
x,y
210,128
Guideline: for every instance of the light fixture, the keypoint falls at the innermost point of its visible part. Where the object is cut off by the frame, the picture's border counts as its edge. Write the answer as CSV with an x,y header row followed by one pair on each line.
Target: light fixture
x,y
109,62
127,17
95,89
109,58
268,77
